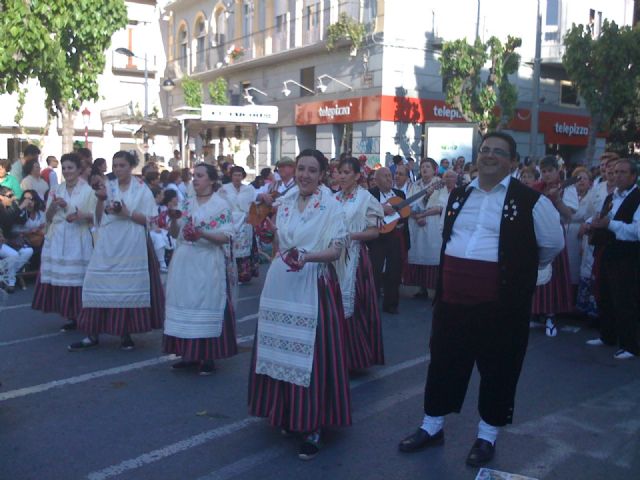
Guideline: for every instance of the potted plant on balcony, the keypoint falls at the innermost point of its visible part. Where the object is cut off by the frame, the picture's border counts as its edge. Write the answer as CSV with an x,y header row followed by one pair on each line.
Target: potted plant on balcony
x,y
345,28
236,52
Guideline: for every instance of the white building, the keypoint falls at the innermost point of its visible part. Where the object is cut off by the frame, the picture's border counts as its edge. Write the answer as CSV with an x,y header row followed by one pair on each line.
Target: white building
x,y
385,98
116,116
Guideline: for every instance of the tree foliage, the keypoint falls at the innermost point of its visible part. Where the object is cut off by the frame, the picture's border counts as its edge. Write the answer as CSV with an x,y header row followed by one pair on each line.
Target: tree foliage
x,y
192,90
60,43
605,70
484,97
218,91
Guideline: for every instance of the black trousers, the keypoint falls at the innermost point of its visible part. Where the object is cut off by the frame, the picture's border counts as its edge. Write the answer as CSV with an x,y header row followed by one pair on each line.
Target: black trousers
x,y
385,253
490,336
618,304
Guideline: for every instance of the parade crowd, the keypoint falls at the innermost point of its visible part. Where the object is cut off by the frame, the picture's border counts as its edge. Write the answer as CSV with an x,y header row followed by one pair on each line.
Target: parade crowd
x,y
497,245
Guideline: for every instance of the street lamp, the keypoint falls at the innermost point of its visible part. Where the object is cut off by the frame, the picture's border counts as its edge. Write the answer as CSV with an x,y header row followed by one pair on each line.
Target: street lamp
x,y
323,87
128,53
247,95
86,116
285,89
168,85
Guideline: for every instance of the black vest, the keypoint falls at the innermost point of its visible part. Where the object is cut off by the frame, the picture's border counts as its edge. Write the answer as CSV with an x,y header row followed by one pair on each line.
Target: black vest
x,y
614,248
517,246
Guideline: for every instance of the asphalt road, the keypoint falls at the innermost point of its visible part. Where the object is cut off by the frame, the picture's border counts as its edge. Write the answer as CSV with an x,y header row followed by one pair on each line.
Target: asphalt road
x,y
106,413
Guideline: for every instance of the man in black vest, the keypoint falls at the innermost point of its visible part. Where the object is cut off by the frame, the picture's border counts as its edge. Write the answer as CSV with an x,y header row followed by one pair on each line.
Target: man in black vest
x,y
496,233
616,235
388,250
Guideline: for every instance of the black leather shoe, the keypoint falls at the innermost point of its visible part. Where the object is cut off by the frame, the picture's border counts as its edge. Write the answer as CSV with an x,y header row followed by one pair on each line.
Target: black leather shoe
x,y
392,310
421,440
481,453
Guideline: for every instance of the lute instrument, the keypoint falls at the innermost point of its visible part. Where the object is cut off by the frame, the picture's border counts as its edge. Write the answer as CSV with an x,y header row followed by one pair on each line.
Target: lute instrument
x,y
402,207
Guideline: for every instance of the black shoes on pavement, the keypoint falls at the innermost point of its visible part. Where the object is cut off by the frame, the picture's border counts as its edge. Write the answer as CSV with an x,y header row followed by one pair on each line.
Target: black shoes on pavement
x,y
421,440
481,453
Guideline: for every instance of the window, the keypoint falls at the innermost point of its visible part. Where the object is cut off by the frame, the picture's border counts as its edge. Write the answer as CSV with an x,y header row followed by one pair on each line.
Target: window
x,y
219,36
183,49
312,16
307,78
247,13
569,94
552,21
201,33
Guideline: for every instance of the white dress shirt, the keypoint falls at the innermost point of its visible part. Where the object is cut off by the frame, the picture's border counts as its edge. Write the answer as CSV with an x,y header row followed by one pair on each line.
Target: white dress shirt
x,y
624,231
476,231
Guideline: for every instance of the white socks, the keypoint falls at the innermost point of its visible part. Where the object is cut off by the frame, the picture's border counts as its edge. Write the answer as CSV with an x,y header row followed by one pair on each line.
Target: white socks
x,y
487,432
432,425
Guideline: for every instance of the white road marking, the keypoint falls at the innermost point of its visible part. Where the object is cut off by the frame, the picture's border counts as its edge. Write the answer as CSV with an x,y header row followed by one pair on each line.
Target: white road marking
x,y
253,297
14,307
246,318
559,430
22,392
28,339
250,462
197,440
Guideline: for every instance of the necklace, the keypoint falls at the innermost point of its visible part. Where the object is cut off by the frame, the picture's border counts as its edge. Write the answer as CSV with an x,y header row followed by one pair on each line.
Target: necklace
x,y
205,195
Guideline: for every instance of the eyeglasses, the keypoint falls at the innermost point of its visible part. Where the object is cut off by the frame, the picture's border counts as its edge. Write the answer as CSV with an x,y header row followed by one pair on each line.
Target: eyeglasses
x,y
498,152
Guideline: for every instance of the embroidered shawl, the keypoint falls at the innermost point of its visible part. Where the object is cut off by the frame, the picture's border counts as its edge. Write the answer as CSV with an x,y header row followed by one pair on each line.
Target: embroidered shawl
x,y
288,313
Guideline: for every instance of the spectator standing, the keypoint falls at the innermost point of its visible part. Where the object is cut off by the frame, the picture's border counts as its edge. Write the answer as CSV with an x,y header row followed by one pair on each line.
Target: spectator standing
x,y
49,174
8,180
31,179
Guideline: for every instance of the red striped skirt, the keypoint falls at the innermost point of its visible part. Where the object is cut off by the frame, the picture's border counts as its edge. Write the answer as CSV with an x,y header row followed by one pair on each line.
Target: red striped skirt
x,y
425,276
363,331
121,321
327,400
65,301
205,349
556,296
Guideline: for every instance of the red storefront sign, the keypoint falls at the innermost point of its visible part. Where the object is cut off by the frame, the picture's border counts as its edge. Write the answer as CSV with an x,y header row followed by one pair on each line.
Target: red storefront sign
x,y
347,110
558,128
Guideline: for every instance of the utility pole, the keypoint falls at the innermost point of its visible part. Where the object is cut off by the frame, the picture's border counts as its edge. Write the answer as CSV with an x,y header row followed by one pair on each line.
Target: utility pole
x,y
478,22
535,91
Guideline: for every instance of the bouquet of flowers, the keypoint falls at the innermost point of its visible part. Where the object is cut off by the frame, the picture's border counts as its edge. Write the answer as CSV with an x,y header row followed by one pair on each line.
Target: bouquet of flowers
x,y
190,232
291,257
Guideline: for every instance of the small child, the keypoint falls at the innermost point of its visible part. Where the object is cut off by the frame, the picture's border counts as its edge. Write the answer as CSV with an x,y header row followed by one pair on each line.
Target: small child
x,y
159,225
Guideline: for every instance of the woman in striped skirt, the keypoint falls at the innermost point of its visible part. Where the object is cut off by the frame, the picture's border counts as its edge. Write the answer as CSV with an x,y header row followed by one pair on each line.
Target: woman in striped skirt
x,y
362,327
298,377
425,230
200,323
121,292
556,295
67,245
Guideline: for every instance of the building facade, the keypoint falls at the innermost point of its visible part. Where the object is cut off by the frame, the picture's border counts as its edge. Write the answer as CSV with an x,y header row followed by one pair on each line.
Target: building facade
x,y
116,119
386,96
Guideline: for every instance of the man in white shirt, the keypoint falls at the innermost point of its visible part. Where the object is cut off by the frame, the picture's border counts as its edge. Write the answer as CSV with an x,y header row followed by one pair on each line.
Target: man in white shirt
x,y
496,234
616,235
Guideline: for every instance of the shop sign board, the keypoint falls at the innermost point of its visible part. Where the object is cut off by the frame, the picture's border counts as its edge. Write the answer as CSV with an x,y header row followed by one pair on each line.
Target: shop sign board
x,y
450,142
346,110
244,114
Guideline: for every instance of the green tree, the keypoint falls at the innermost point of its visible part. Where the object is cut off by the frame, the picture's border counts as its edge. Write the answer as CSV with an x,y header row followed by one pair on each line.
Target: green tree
x,y
218,91
192,90
605,70
486,98
60,43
